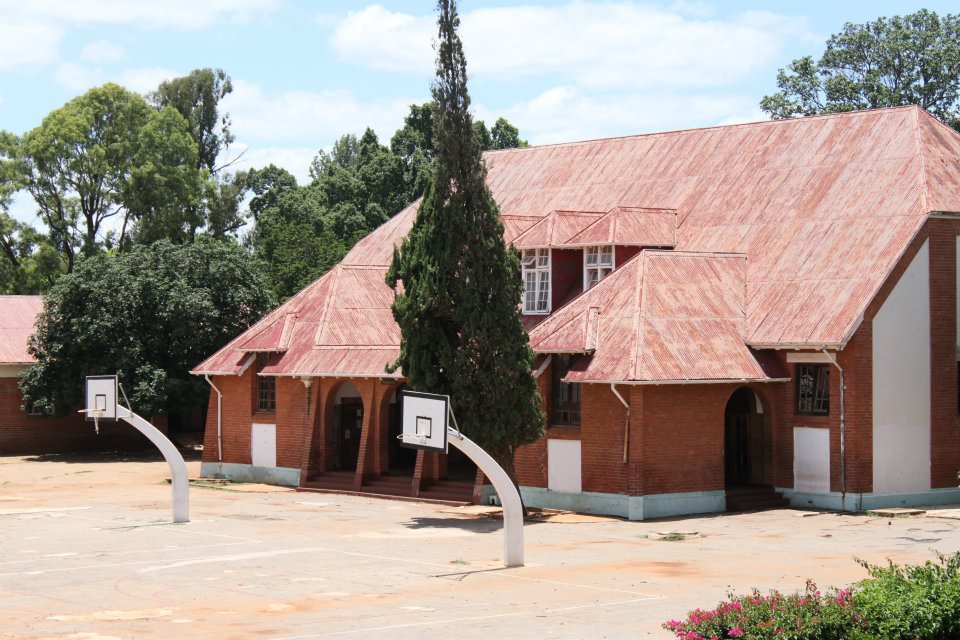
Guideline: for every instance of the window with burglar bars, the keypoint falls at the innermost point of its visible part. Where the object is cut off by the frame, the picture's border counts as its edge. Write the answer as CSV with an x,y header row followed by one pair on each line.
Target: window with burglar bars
x,y
266,387
566,395
597,264
535,265
813,389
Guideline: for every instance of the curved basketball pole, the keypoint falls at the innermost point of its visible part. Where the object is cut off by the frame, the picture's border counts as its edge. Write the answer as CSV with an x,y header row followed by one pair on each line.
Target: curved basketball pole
x,y
509,496
178,469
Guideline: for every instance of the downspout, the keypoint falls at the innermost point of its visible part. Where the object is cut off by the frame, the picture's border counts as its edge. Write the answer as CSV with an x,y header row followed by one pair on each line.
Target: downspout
x,y
843,435
219,421
626,426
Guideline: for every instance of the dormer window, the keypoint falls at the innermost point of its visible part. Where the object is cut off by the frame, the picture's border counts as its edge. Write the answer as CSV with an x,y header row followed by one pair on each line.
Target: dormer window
x,y
597,264
535,266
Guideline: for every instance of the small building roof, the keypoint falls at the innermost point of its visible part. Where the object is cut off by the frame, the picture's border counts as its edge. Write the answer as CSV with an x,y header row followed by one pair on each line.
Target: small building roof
x,y
18,320
662,316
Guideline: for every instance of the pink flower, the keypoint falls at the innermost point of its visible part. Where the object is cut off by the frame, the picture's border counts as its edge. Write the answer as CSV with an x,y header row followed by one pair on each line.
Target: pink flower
x,y
736,632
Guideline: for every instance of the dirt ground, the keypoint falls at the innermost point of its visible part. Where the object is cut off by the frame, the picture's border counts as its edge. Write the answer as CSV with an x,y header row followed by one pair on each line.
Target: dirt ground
x,y
88,552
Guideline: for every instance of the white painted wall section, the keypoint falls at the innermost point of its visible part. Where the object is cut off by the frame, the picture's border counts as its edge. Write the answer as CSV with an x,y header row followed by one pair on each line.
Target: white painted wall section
x,y
563,465
811,459
263,445
901,383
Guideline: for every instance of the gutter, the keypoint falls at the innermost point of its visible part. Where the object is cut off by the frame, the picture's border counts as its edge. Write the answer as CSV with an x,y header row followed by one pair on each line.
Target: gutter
x,y
626,426
661,382
219,420
843,435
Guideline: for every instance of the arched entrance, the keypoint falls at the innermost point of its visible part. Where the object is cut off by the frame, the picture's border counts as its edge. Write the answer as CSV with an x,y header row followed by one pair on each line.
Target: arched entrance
x,y
400,460
748,453
347,427
746,440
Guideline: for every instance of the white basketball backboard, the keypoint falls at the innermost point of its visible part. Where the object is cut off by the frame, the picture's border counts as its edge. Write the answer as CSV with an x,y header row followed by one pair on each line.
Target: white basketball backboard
x,y
101,397
424,417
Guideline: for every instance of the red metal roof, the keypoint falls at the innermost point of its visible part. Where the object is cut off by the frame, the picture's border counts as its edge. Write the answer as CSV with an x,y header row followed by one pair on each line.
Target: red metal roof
x,y
820,208
18,319
662,316
631,226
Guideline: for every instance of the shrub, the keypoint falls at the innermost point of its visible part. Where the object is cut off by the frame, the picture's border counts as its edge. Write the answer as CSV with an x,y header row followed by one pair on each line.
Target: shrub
x,y
908,602
809,615
894,603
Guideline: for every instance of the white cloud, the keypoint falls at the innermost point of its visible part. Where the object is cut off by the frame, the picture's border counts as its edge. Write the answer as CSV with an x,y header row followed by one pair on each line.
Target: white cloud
x,y
565,113
27,43
296,160
299,116
146,79
77,77
603,45
103,51
182,14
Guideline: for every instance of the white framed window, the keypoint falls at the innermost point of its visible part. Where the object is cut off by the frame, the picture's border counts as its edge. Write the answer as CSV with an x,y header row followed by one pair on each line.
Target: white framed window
x,y
535,267
597,265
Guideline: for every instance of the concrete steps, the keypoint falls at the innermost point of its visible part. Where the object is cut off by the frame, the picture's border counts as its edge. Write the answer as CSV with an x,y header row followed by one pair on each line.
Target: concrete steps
x,y
446,492
754,498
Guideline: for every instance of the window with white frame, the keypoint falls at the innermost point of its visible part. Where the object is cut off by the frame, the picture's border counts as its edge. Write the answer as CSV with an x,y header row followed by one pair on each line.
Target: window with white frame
x,y
535,264
597,264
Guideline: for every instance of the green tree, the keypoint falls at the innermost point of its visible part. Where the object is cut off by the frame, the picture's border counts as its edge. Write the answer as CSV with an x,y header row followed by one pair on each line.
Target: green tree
x,y
343,154
102,155
196,96
413,144
149,315
912,59
293,233
506,136
458,309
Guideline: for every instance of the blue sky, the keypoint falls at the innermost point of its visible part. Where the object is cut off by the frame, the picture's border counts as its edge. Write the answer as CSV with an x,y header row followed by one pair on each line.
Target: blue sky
x,y
307,72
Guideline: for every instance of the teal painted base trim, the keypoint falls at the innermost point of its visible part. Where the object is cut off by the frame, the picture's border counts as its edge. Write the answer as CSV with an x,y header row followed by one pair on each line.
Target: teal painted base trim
x,y
864,501
631,507
281,476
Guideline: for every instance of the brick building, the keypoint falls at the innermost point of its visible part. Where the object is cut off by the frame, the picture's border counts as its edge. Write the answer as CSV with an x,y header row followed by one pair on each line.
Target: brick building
x,y
717,313
28,432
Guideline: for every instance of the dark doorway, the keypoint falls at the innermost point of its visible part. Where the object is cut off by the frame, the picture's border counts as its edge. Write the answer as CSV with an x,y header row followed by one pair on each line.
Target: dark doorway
x,y
348,434
401,460
744,441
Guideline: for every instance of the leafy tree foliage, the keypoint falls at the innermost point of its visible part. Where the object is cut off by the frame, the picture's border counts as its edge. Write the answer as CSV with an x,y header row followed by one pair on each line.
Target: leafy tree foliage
x,y
344,154
106,154
292,234
413,144
196,96
912,59
149,315
458,309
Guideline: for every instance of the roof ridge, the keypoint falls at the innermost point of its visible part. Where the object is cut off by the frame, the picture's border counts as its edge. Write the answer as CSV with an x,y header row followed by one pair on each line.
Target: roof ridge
x,y
735,125
321,325
638,320
918,140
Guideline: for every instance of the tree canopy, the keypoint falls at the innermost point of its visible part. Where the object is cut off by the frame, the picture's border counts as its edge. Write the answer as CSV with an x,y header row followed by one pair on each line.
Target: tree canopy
x,y
912,59
458,309
106,154
149,315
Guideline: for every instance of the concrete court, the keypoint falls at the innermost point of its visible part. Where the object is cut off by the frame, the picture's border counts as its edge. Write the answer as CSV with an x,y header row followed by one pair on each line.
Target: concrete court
x,y
87,552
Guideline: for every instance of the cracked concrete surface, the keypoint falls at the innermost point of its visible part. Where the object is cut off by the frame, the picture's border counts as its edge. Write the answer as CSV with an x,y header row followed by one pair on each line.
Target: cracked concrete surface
x,y
88,553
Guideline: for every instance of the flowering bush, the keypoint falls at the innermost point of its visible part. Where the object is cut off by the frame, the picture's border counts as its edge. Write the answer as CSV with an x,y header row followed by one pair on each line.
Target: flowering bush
x,y
798,616
894,603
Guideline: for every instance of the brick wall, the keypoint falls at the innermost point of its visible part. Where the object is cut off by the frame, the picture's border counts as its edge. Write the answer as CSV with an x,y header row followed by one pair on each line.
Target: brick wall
x,y
23,434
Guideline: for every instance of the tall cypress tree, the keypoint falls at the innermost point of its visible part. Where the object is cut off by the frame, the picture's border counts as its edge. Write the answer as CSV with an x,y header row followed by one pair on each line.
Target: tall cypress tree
x,y
458,309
